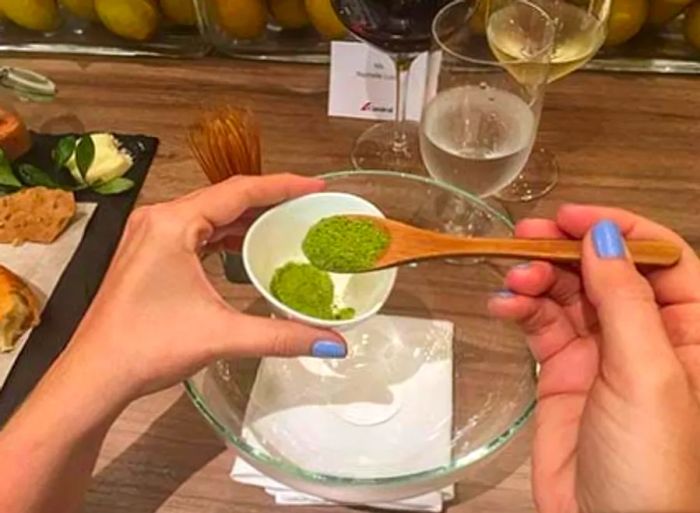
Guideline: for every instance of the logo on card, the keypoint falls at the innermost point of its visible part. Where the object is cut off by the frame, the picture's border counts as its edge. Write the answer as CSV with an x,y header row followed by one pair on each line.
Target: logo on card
x,y
369,107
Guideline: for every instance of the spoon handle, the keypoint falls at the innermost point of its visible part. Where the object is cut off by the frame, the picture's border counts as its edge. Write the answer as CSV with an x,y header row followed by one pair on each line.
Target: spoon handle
x,y
645,252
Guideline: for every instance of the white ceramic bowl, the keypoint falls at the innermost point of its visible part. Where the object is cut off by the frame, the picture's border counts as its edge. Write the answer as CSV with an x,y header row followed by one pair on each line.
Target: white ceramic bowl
x,y
276,238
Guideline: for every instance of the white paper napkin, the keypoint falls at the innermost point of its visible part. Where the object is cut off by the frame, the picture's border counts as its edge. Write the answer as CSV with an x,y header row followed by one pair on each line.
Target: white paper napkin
x,y
284,496
393,411
42,265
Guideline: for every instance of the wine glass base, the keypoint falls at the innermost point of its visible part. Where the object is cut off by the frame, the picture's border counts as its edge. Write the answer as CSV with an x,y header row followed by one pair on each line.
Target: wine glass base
x,y
377,149
370,413
538,177
472,223
376,360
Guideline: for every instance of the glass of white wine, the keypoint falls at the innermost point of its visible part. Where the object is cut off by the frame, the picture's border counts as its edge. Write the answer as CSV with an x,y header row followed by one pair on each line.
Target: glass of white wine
x,y
483,109
580,30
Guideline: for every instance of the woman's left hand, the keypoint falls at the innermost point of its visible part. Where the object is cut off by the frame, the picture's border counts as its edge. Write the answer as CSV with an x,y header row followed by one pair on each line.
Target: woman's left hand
x,y
157,319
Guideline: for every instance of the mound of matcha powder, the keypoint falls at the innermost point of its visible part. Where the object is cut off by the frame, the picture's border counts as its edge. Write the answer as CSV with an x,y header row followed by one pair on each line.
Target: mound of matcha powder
x,y
342,244
307,290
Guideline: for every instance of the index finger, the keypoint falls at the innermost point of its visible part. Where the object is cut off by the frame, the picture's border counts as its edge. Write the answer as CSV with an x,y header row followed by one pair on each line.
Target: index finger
x,y
223,203
678,284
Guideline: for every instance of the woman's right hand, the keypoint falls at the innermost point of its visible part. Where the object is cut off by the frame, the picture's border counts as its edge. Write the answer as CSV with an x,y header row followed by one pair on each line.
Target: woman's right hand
x,y
618,417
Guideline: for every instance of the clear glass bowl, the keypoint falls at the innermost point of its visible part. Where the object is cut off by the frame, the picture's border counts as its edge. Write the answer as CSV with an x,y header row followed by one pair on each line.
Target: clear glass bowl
x,y
73,34
431,385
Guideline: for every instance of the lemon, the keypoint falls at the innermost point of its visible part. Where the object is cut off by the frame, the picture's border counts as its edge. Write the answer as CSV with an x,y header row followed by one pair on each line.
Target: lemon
x,y
477,21
130,19
626,19
324,19
81,8
663,11
179,11
691,25
32,14
289,14
243,19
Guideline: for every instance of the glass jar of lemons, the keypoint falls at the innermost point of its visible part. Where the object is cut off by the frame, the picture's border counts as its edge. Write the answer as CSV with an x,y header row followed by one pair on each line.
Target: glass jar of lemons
x,y
124,27
296,30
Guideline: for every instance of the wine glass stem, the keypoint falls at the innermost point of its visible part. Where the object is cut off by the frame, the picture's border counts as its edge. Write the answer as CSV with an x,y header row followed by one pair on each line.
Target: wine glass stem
x,y
403,65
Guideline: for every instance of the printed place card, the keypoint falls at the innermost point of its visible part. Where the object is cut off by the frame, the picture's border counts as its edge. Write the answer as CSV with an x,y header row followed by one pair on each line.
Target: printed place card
x,y
362,83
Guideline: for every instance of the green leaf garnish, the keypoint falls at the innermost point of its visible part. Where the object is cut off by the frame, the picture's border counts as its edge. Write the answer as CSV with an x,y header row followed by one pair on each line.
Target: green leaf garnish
x,y
7,177
35,177
116,186
85,154
64,151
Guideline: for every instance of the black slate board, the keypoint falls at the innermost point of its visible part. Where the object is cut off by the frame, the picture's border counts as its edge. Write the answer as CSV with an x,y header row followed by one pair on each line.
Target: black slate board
x,y
84,273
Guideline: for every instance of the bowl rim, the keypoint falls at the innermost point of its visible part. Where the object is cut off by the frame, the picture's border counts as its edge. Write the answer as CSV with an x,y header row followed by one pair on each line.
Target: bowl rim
x,y
456,464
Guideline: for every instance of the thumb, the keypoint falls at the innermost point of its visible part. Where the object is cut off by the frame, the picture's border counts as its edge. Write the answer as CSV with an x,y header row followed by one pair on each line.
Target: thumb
x,y
634,342
247,335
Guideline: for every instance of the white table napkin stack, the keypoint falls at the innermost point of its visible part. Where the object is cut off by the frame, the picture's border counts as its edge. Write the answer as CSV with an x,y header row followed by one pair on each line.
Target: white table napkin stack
x,y
288,411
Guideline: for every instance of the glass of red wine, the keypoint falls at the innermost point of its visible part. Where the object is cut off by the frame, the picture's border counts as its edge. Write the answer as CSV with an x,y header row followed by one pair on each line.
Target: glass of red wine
x,y
402,29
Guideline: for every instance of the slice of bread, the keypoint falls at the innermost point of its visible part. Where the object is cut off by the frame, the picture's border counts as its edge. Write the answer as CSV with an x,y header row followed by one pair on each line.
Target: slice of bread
x,y
37,214
19,309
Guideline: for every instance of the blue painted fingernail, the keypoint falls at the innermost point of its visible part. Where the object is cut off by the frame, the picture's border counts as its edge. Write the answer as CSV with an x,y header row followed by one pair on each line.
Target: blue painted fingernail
x,y
328,349
607,240
522,265
504,293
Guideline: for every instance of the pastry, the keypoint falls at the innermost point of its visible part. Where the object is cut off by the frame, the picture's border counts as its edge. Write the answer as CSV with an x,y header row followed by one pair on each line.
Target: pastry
x,y
19,309
37,214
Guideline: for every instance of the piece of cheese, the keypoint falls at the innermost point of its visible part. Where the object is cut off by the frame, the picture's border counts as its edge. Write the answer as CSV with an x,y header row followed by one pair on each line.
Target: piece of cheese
x,y
110,161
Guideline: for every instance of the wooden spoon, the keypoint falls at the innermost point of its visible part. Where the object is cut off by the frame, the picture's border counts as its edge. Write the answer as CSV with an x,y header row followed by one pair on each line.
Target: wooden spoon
x,y
410,244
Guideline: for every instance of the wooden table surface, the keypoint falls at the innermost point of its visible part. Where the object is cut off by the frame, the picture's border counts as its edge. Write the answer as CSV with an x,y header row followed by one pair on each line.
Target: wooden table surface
x,y
626,140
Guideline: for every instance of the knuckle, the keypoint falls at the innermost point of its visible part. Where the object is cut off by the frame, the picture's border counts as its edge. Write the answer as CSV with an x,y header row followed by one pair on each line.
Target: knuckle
x,y
631,291
244,190
280,343
566,293
138,217
156,220
537,321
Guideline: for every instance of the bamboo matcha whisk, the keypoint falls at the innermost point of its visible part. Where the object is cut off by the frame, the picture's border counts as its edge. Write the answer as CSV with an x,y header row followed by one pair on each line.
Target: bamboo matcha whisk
x,y
226,142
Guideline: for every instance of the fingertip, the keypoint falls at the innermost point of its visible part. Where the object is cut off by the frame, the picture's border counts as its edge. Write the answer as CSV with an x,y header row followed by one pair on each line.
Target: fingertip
x,y
498,305
568,209
535,228
530,278
526,226
328,344
509,307
331,349
607,240
500,302
504,293
318,183
332,335
570,205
